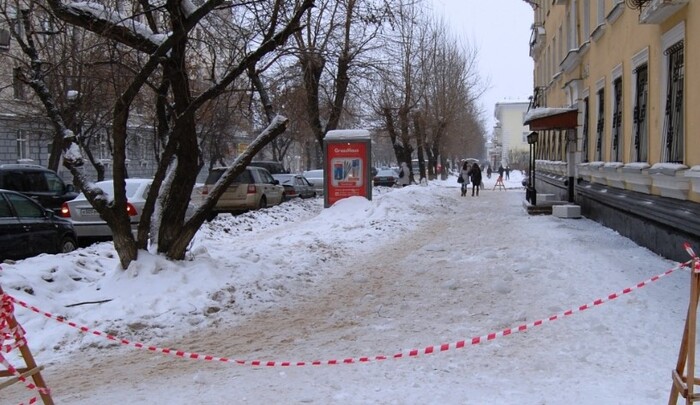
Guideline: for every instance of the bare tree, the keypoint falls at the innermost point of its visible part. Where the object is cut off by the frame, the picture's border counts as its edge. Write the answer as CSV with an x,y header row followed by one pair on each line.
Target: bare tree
x,y
337,35
401,88
60,64
163,44
426,105
451,89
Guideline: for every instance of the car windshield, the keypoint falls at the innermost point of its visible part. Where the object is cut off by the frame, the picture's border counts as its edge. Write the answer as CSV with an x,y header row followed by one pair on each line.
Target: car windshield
x,y
284,178
215,174
108,187
386,173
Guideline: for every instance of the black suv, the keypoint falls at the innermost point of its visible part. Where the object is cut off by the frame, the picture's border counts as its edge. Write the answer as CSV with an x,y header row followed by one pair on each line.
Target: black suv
x,y
37,182
28,229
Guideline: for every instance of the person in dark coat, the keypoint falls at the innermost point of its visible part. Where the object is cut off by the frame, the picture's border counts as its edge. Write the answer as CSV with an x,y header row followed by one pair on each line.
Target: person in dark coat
x,y
476,179
500,171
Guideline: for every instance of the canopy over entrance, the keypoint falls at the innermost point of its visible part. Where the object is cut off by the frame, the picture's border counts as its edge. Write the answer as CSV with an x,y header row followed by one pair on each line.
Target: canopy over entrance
x,y
540,119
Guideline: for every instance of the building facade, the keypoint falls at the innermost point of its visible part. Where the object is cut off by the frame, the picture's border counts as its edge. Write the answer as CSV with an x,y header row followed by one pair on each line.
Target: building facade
x,y
511,134
624,70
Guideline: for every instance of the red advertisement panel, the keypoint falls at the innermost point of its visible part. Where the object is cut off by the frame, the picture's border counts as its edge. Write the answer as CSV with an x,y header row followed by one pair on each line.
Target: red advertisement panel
x,y
345,171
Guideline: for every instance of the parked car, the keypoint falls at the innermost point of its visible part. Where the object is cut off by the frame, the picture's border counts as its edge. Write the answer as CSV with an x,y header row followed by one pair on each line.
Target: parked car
x,y
87,221
295,185
315,177
37,182
253,189
385,177
28,229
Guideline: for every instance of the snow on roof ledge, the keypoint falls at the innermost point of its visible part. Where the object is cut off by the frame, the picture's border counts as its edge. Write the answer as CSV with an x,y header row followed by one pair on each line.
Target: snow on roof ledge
x,y
537,113
347,134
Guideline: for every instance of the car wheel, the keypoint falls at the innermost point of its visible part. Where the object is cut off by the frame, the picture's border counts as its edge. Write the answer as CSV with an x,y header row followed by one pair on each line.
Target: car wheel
x,y
68,244
263,202
211,216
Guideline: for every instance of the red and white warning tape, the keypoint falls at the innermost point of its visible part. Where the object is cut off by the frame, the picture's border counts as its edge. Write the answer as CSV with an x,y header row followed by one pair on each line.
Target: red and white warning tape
x,y
411,353
691,252
16,335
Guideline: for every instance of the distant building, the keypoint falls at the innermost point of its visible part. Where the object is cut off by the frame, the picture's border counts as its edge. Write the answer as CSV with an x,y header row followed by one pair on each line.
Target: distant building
x,y
511,134
613,106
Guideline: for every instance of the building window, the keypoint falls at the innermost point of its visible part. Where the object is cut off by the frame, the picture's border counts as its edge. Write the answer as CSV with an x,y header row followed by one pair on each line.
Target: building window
x,y
641,132
600,128
601,12
22,145
672,146
4,39
18,85
584,135
560,50
616,146
586,19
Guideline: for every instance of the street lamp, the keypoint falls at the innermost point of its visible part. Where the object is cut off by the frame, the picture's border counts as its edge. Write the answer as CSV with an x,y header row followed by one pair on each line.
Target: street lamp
x,y
531,192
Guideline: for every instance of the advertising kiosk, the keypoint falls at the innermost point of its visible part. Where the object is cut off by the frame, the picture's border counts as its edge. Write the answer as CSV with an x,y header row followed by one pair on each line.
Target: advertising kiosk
x,y
347,165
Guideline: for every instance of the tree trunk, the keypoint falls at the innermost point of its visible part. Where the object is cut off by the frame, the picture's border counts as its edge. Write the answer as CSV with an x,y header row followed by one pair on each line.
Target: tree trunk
x,y
177,246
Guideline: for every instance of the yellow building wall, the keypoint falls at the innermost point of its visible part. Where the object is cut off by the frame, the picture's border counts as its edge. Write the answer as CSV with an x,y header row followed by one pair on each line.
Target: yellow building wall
x,y
620,41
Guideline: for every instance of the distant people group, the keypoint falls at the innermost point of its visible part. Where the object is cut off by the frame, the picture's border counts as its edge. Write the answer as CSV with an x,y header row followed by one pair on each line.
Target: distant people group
x,y
470,174
502,170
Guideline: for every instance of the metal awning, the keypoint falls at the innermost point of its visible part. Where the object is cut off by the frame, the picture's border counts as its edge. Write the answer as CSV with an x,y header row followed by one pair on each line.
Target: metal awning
x,y
540,119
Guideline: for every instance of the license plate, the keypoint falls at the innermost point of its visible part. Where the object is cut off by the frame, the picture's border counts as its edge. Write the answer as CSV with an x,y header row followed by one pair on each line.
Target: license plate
x,y
88,212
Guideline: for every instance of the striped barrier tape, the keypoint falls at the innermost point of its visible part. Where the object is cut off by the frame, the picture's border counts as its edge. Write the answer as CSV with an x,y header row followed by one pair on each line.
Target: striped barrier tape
x,y
691,252
411,353
15,334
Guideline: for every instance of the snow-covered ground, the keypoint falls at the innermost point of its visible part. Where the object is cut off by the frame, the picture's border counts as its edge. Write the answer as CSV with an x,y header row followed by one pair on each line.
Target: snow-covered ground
x,y
415,268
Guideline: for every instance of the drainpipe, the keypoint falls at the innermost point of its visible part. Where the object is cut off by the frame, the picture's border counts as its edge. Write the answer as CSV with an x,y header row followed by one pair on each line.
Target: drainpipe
x,y
571,161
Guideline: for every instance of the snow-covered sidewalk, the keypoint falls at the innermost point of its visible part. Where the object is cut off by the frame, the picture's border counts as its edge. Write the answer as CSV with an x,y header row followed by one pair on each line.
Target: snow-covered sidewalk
x,y
414,268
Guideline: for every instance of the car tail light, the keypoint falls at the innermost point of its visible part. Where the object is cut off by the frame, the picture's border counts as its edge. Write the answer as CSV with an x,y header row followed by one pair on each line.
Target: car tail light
x,y
251,189
205,190
130,209
65,211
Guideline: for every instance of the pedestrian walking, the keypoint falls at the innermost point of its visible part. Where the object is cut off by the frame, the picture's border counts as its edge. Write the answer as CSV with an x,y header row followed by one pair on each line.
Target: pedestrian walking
x,y
476,179
507,172
404,175
464,175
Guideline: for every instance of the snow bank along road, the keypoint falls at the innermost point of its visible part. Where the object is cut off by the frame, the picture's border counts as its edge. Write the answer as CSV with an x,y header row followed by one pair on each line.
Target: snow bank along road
x,y
478,265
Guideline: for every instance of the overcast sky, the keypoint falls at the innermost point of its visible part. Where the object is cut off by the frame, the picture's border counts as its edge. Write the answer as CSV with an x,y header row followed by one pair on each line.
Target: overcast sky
x,y
500,29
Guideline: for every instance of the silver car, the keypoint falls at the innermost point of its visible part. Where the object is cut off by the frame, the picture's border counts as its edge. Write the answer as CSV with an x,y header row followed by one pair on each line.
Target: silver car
x,y
315,177
87,221
253,189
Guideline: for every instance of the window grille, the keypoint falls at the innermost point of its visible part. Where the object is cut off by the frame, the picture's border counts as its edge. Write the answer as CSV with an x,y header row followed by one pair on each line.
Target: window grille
x,y
616,146
641,132
672,147
601,125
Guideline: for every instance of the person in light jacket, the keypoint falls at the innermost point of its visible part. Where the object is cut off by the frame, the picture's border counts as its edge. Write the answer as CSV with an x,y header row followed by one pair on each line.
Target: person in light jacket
x,y
404,175
464,172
